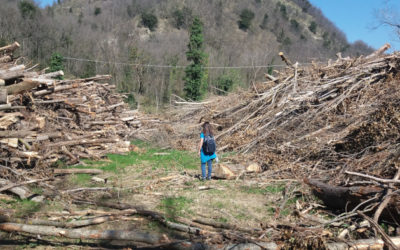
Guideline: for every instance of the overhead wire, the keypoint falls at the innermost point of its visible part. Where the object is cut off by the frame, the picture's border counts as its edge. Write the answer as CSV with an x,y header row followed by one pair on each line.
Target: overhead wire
x,y
178,66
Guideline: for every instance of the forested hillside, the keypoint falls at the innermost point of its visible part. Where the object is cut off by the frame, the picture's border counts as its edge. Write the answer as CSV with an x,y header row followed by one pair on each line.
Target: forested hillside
x,y
125,37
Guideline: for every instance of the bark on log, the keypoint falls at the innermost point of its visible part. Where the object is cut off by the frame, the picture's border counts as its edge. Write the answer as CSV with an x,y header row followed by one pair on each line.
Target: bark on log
x,y
82,233
78,171
341,197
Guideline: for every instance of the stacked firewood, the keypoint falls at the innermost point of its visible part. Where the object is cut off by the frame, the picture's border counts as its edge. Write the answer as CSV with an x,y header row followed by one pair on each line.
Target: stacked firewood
x,y
44,120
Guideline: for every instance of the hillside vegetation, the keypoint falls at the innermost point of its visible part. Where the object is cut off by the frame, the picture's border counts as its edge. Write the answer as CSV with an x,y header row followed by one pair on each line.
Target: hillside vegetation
x,y
126,35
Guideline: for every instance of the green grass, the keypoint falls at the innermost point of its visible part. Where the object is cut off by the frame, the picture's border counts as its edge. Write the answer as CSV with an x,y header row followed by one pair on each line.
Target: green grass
x,y
23,208
168,159
175,206
273,189
80,179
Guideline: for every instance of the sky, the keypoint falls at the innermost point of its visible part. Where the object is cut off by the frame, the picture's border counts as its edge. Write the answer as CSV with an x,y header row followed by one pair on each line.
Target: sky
x,y
356,18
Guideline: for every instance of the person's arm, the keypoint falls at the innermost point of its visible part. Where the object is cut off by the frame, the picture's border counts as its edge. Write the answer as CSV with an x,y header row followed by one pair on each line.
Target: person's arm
x,y
200,145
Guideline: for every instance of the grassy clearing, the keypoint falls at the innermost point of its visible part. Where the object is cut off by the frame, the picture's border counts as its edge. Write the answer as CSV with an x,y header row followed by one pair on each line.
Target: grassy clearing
x,y
140,176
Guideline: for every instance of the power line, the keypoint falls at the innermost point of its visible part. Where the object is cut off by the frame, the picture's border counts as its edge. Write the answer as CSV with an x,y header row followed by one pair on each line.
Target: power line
x,y
176,66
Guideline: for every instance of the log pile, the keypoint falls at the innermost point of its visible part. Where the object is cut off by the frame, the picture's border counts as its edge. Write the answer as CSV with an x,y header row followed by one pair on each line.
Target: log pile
x,y
44,120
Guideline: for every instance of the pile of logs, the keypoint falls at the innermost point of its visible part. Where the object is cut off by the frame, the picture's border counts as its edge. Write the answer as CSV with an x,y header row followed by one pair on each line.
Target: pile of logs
x,y
44,120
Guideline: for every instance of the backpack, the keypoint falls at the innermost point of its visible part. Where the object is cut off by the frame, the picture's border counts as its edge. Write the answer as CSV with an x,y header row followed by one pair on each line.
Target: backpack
x,y
209,145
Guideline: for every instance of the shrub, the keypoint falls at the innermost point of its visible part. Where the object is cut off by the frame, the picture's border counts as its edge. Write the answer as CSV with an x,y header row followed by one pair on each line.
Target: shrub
x,y
294,24
283,11
179,19
246,16
149,20
56,63
226,82
313,27
97,11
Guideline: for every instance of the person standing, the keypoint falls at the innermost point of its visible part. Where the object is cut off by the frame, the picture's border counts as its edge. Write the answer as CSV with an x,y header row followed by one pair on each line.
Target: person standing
x,y
206,150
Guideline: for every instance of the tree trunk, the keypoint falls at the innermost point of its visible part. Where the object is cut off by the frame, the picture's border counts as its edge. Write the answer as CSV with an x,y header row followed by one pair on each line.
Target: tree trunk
x,y
82,233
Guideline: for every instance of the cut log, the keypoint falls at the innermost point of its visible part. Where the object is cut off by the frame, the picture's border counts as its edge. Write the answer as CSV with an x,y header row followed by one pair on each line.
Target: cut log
x,y
12,73
136,236
10,48
77,171
3,95
341,197
254,168
52,74
223,171
22,87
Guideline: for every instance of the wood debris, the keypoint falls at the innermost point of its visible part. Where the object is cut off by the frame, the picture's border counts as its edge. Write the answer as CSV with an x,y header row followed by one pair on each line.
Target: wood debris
x,y
335,125
44,120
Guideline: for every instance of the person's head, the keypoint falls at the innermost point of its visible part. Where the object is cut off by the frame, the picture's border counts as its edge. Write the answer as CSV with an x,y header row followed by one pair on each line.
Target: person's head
x,y
207,130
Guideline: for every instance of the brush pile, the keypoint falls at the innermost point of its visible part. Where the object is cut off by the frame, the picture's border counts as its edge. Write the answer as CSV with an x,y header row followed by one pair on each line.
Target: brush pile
x,y
44,120
335,123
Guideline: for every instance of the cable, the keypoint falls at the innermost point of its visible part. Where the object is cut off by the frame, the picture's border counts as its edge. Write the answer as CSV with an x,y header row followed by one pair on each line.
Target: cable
x,y
177,66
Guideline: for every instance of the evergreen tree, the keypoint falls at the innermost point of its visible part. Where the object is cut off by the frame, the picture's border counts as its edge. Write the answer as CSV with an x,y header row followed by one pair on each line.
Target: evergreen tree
x,y
195,72
56,63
